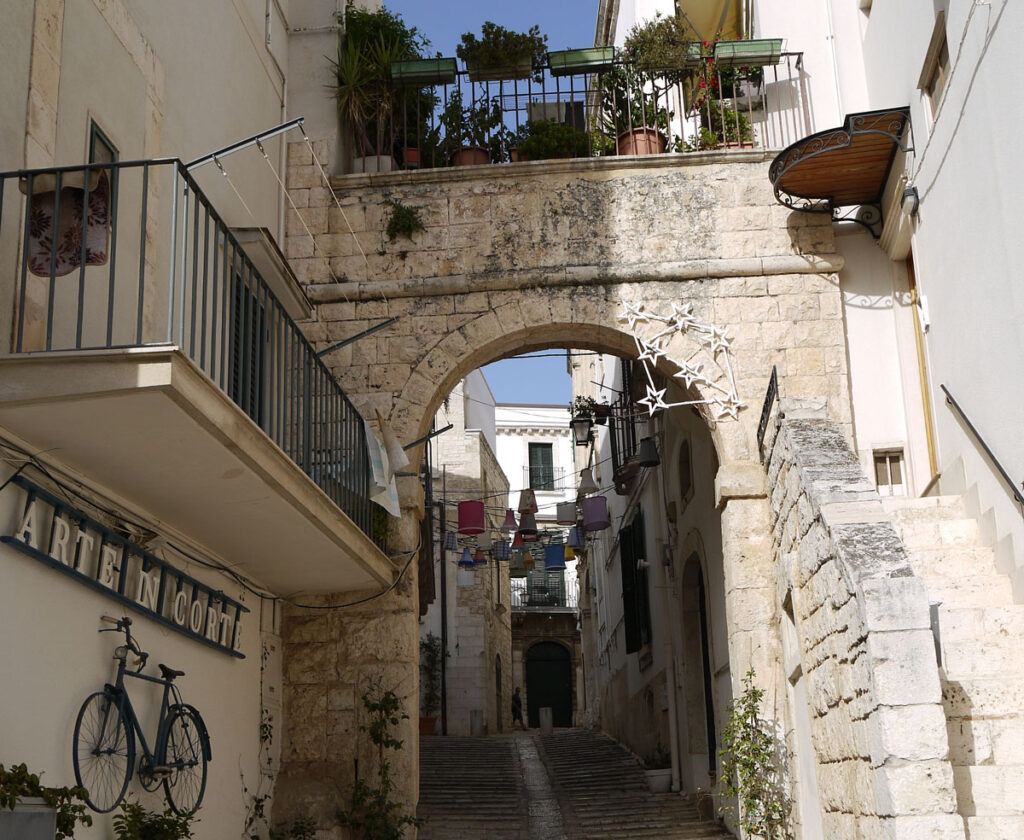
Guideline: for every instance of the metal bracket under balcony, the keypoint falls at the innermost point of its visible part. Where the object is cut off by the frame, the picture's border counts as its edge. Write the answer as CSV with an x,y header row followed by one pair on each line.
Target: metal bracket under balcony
x,y
842,168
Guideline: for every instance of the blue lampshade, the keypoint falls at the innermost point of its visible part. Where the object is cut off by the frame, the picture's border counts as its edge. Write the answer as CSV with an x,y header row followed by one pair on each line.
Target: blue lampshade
x,y
466,560
554,557
501,550
576,537
451,542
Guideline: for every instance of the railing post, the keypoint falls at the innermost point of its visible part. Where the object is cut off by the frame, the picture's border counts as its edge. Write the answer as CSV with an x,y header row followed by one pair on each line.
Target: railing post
x,y
307,410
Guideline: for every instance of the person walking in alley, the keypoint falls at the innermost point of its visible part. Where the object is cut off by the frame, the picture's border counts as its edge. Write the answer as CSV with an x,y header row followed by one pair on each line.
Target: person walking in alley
x,y
517,709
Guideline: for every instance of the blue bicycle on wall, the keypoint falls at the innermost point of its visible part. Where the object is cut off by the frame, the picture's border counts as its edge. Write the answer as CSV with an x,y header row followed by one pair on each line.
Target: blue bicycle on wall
x,y
107,726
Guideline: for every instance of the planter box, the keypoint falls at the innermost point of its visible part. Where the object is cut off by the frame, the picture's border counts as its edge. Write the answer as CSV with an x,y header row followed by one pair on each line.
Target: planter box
x,y
759,53
659,781
520,69
424,71
32,819
590,60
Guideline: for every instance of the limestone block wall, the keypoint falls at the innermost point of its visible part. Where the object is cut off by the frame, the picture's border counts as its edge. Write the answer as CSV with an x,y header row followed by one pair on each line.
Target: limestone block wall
x,y
865,648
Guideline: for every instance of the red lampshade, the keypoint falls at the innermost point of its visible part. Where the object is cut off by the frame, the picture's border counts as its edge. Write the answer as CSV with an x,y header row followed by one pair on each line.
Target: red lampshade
x,y
510,523
471,517
518,541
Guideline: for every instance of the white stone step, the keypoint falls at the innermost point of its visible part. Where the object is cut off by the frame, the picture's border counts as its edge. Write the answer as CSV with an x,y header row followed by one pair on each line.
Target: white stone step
x,y
994,697
981,740
995,828
937,507
970,591
956,562
989,790
920,532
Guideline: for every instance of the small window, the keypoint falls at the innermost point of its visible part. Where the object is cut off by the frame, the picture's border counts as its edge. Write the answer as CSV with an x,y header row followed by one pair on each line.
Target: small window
x,y
889,473
101,150
935,72
542,472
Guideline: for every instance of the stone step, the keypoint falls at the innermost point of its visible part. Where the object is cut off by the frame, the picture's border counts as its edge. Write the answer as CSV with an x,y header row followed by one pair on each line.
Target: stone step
x,y
982,642
904,508
995,828
980,740
985,697
956,563
918,533
989,790
979,590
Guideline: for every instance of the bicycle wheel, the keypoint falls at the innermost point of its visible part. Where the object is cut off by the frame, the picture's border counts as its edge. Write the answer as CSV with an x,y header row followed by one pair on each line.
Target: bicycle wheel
x,y
184,756
104,752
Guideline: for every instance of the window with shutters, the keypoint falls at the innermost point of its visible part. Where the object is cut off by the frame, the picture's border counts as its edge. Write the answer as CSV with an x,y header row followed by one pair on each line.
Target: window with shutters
x,y
636,602
542,471
248,346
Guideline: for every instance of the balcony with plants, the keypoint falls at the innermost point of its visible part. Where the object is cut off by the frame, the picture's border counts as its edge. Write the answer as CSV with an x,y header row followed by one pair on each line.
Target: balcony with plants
x,y
514,100
155,351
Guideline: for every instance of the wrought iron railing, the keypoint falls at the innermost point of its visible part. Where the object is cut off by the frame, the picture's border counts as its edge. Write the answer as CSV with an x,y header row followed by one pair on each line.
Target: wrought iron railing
x,y
133,254
544,477
706,107
542,590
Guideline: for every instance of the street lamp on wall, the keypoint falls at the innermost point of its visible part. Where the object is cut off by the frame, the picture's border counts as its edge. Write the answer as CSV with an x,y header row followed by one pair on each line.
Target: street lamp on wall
x,y
581,426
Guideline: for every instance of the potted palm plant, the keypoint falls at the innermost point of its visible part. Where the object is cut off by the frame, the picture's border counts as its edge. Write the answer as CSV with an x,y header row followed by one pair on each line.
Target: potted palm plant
x,y
371,100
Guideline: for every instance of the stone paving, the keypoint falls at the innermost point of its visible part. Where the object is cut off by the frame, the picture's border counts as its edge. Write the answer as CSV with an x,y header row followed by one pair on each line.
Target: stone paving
x,y
572,785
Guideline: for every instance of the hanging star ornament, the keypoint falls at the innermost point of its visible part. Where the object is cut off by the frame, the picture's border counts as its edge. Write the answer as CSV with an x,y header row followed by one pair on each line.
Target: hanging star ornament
x,y
720,395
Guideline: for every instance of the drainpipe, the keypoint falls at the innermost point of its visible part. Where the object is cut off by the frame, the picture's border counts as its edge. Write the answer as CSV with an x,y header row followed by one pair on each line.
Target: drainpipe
x,y
661,583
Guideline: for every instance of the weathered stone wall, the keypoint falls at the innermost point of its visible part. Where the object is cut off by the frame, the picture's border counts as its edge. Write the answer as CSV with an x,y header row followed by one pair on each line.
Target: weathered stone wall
x,y
866,648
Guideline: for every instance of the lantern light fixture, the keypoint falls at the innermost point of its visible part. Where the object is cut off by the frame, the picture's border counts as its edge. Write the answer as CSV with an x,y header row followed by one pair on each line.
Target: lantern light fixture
x,y
581,426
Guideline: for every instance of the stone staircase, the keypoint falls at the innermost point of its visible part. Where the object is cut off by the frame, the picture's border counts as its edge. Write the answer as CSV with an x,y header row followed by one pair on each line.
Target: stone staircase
x,y
471,789
982,649
594,789
604,793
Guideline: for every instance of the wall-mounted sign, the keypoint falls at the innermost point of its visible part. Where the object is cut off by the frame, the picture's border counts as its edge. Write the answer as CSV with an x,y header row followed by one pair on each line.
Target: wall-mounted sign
x,y
66,539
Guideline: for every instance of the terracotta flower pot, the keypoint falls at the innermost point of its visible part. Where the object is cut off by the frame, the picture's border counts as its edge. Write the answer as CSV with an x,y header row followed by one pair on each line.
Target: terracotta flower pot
x,y
640,141
471,156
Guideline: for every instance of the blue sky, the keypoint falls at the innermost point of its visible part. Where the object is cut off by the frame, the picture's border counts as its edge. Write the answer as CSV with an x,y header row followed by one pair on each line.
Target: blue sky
x,y
567,23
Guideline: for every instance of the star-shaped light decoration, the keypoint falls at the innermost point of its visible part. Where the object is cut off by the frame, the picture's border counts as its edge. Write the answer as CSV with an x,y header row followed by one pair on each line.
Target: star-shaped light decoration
x,y
650,350
682,317
654,399
728,406
634,313
718,340
691,373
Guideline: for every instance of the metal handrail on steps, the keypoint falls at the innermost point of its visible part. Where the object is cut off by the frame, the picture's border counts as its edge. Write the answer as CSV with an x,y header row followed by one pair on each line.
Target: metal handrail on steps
x,y
1017,494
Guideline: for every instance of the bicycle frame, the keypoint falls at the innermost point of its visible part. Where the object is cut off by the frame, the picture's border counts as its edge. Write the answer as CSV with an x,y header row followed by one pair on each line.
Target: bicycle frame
x,y
123,702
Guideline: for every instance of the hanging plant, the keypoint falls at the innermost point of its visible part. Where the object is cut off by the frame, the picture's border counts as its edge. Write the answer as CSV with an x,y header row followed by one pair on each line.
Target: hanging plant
x,y
403,221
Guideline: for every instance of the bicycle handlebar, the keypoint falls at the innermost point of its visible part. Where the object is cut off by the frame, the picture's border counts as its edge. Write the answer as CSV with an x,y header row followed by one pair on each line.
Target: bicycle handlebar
x,y
123,625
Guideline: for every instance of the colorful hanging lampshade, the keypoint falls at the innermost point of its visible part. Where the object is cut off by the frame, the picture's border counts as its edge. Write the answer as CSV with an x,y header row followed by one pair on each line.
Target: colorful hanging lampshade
x,y
554,557
484,540
527,559
501,550
471,517
518,541
527,501
466,559
587,483
451,542
565,513
479,558
528,525
647,453
576,537
510,523
595,513
516,568
570,553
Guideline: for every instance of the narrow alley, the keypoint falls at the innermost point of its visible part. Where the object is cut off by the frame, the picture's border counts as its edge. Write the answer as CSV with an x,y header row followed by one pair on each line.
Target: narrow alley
x,y
572,785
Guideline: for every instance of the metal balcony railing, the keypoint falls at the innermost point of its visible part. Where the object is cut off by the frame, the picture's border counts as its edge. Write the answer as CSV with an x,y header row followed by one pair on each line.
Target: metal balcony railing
x,y
133,254
542,590
544,478
711,108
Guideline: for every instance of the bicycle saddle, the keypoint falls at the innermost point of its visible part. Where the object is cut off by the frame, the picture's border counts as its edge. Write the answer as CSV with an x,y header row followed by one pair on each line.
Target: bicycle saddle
x,y
170,673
